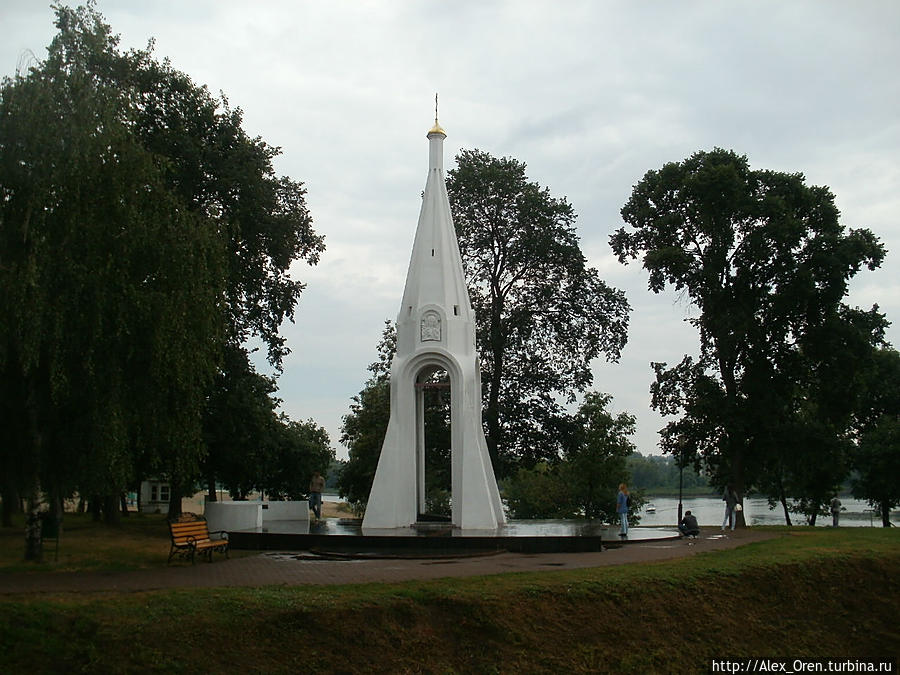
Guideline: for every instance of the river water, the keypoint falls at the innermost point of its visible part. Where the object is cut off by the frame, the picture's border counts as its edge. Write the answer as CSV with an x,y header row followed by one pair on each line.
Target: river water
x,y
711,511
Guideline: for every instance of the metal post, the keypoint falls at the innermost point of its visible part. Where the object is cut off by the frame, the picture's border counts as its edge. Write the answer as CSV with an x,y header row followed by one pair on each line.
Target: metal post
x,y
680,476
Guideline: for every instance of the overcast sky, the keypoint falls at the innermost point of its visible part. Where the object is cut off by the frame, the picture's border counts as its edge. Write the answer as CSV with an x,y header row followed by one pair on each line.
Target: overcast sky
x,y
591,95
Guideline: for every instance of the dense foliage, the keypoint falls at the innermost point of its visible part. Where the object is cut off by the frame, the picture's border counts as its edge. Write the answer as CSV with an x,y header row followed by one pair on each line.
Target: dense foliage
x,y
250,447
772,399
662,474
543,315
142,233
584,482
876,458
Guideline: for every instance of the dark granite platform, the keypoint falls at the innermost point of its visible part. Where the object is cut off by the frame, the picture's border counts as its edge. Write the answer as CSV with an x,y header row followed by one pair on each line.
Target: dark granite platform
x,y
346,536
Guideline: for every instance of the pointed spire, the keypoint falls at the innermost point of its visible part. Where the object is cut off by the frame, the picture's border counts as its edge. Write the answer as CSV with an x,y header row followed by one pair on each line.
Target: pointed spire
x,y
436,129
435,276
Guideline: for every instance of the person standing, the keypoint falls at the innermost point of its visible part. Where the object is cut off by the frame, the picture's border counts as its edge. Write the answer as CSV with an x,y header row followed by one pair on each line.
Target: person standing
x,y
316,486
730,500
835,511
622,509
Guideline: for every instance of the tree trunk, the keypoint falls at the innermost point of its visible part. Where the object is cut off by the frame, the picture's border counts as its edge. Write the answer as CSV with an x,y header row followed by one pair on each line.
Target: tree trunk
x,y
10,499
95,507
813,516
111,510
174,499
787,513
123,502
34,545
34,548
492,413
738,477
492,417
210,489
57,508
885,513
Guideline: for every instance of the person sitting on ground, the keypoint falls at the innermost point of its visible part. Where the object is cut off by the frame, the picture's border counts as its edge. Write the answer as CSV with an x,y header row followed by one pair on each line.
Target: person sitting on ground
x,y
688,525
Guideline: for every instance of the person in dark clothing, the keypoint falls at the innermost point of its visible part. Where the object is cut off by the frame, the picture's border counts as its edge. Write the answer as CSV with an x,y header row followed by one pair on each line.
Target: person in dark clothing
x,y
622,509
688,525
835,511
731,501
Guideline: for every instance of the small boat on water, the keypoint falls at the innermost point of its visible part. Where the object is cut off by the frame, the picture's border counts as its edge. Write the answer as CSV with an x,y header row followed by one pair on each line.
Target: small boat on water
x,y
650,508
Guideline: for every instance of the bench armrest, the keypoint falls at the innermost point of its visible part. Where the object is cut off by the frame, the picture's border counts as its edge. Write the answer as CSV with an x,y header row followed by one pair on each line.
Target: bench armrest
x,y
222,532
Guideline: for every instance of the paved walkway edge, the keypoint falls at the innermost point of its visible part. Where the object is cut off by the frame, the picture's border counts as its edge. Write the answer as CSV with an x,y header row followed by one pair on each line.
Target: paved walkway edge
x,y
298,569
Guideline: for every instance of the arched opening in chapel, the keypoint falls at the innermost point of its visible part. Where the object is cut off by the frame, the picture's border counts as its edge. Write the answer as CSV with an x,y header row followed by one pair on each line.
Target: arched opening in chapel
x,y
433,394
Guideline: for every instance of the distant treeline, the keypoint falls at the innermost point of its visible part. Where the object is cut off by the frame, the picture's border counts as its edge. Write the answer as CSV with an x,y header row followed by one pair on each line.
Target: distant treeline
x,y
659,473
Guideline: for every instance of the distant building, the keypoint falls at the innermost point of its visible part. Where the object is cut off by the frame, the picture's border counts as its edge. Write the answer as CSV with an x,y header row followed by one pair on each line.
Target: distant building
x,y
154,496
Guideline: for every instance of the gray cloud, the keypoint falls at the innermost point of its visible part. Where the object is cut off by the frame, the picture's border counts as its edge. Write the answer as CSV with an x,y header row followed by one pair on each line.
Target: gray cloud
x,y
589,95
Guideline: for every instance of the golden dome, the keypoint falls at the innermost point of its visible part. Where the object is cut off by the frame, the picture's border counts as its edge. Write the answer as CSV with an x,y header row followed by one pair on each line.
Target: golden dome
x,y
436,129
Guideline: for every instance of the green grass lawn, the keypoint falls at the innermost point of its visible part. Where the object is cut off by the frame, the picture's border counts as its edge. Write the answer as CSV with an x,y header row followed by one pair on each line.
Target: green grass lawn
x,y
139,541
810,592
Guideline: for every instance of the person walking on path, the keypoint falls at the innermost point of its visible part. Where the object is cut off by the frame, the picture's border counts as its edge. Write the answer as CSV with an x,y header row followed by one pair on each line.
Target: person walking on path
x,y
622,509
689,526
731,501
316,486
835,511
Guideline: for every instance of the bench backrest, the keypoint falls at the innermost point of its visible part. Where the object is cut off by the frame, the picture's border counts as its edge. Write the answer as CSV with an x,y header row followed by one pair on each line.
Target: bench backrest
x,y
185,531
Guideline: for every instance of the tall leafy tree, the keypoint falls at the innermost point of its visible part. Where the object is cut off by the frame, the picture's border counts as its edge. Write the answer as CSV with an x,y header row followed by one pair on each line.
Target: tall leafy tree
x,y
876,457
877,461
595,458
537,492
583,483
364,427
221,174
297,449
362,432
766,262
809,451
250,446
110,286
543,314
142,231
228,176
239,425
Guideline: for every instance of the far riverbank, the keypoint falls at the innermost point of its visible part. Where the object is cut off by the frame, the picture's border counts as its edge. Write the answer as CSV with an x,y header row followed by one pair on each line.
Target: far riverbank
x,y
711,510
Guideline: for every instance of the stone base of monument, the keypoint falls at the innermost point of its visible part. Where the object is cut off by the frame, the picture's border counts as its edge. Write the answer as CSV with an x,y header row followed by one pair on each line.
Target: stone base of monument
x,y
344,537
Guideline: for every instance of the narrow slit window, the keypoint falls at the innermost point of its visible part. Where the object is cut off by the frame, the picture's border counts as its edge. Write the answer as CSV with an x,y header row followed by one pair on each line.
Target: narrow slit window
x,y
455,310
432,253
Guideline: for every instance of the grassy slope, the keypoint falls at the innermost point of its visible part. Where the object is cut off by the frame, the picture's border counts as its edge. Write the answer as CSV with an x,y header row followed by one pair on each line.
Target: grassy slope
x,y
808,593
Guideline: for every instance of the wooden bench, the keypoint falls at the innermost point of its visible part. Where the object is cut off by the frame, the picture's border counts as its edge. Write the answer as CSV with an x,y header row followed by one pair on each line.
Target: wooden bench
x,y
191,535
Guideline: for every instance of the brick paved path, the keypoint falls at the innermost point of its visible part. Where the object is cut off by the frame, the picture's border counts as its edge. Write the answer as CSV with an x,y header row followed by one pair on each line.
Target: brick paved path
x,y
294,569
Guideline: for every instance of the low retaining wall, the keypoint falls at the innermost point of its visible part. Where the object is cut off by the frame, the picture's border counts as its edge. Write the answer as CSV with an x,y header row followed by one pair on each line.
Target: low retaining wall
x,y
234,516
285,511
231,516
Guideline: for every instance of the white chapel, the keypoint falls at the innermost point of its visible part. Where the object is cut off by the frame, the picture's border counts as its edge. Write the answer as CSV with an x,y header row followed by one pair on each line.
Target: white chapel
x,y
435,331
